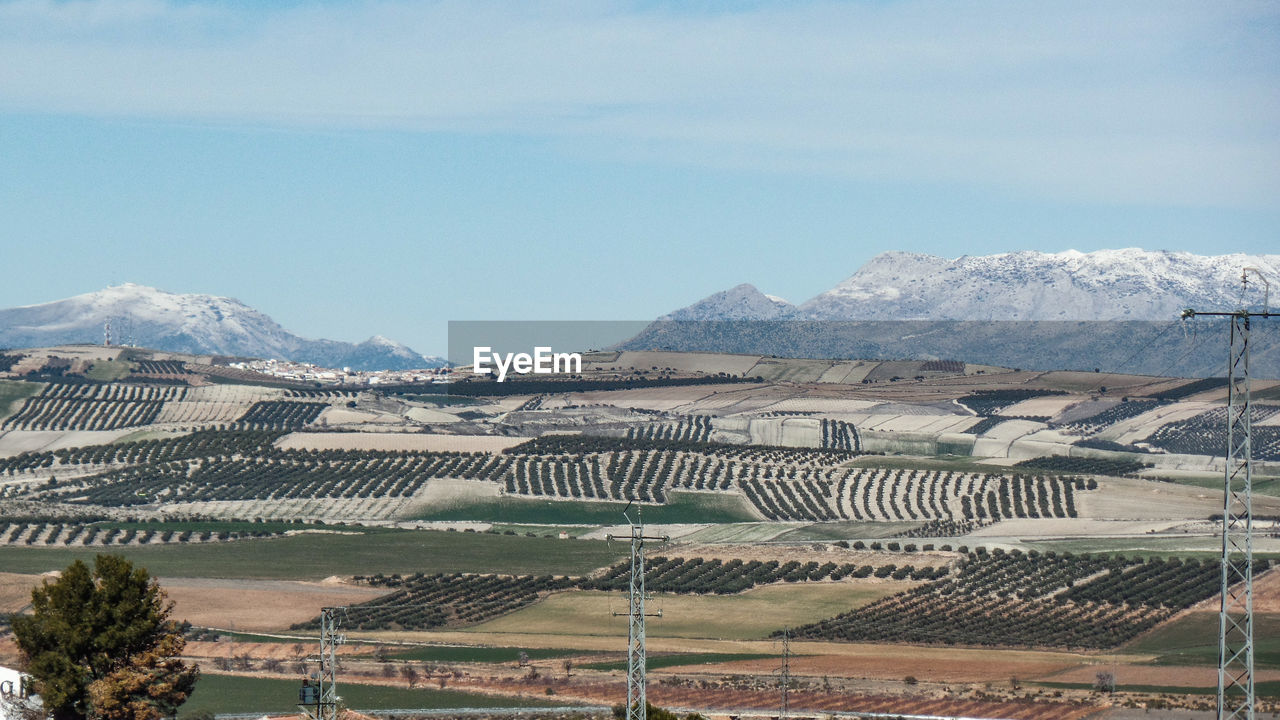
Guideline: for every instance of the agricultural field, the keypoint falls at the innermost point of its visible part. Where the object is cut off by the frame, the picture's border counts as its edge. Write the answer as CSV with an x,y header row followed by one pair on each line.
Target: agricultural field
x,y
14,394
895,519
751,615
1012,599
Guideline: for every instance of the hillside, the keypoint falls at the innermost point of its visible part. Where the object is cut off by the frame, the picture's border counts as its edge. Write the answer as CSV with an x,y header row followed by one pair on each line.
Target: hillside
x,y
190,323
1115,310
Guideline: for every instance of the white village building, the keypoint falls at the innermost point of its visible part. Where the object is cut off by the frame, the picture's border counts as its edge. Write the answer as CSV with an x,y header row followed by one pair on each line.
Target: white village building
x,y
15,694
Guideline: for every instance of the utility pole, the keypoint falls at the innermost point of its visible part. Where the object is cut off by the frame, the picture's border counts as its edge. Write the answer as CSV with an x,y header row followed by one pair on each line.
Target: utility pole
x,y
1235,614
320,701
637,705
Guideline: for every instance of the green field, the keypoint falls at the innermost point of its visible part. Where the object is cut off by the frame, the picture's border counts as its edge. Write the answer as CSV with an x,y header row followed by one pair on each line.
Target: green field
x,y
680,508
235,694
199,526
482,654
544,530
845,530
108,370
658,662
12,393
441,400
751,615
1193,640
366,551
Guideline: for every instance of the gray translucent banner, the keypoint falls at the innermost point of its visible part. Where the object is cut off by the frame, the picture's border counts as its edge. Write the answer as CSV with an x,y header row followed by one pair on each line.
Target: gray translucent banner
x,y
523,336
1191,348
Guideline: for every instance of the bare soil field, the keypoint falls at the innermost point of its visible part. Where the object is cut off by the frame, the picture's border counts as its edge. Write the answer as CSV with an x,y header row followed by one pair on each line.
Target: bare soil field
x,y
1266,593
352,509
1131,499
709,363
1047,406
917,423
895,663
1074,527
735,700
258,604
847,373
997,441
749,615
442,493
1087,382
419,442
790,370
15,591
286,651
739,532
1141,427
808,403
1173,675
228,604
77,352
331,416
431,416
15,442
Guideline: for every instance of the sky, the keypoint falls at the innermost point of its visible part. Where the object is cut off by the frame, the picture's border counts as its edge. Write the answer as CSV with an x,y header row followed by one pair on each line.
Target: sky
x,y
360,167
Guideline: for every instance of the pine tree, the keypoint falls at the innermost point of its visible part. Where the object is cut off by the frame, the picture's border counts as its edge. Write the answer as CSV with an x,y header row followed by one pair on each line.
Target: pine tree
x,y
99,643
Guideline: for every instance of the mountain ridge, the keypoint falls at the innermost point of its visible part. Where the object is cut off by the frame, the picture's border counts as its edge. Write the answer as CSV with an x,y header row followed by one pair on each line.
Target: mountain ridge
x,y
1113,310
1124,284
191,323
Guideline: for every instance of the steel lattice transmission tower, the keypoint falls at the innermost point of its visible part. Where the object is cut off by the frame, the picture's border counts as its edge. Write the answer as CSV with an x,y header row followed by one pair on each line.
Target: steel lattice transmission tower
x,y
785,672
320,701
637,705
1235,614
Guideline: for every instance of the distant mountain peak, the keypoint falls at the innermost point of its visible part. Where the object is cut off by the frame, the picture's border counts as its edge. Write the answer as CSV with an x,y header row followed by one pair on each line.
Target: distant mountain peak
x,y
741,302
1119,284
192,323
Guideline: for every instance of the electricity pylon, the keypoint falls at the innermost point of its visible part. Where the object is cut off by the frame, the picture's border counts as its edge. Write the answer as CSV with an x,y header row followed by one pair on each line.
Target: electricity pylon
x,y
785,672
1235,614
637,705
320,702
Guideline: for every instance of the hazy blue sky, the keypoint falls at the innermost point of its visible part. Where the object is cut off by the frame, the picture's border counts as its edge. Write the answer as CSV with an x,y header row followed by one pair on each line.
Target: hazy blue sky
x,y
353,168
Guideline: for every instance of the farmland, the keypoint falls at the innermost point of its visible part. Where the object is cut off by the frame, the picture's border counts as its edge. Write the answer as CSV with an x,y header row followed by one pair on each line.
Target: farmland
x,y
932,522
314,556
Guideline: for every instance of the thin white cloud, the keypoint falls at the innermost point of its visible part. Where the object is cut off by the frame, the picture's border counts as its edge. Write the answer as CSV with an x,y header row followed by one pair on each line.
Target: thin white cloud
x,y
1159,102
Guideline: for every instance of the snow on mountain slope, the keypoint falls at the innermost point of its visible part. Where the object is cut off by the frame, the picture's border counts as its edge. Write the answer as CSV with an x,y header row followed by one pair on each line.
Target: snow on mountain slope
x,y
1128,284
743,302
203,324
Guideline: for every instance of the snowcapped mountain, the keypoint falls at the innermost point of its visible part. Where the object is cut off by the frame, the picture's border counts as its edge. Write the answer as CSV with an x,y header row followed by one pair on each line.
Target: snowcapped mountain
x,y
1128,284
200,324
743,302
907,305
